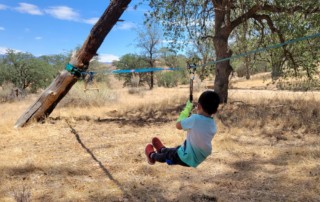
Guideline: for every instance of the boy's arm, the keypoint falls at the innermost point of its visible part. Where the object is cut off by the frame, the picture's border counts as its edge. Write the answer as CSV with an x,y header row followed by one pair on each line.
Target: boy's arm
x,y
178,125
184,114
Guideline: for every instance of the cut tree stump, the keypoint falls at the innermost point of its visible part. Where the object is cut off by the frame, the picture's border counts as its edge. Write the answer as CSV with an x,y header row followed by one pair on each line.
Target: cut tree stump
x,y
49,99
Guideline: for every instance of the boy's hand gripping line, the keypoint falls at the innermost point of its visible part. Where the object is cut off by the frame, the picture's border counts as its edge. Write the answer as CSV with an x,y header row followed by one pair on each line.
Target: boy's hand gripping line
x,y
191,69
188,108
186,111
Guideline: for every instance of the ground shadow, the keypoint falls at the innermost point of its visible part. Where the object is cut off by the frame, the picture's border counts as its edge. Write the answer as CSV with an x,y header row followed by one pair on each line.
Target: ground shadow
x,y
144,117
105,170
137,117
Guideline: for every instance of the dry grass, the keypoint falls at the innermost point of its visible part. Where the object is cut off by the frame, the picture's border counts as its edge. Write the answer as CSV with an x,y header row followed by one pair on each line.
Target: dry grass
x,y
266,149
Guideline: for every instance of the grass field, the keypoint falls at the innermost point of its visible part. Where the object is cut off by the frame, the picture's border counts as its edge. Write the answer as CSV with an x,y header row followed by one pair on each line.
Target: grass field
x,y
267,148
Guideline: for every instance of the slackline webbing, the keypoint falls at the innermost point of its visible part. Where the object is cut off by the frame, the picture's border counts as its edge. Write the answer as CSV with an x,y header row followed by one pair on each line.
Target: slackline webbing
x,y
156,69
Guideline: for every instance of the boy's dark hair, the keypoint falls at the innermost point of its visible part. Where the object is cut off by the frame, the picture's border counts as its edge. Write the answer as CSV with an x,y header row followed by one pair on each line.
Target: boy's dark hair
x,y
209,100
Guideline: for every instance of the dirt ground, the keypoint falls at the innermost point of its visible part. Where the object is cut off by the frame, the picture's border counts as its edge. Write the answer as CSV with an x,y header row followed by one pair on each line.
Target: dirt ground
x,y
266,149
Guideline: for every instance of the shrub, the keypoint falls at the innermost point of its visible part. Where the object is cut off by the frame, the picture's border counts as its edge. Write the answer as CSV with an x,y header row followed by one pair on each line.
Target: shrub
x,y
10,93
241,71
136,90
90,98
167,79
300,85
22,194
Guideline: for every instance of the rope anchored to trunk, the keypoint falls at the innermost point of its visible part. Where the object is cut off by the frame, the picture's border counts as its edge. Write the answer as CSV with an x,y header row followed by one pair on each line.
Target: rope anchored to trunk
x,y
74,70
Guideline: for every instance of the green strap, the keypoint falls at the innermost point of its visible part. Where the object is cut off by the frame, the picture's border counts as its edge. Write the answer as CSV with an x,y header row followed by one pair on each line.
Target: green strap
x,y
73,70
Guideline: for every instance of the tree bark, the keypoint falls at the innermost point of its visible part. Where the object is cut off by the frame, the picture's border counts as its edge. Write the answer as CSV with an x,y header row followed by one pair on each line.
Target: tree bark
x,y
220,41
223,69
48,100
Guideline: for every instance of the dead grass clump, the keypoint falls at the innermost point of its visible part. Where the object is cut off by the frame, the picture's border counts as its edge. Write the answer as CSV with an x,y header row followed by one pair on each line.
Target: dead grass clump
x,y
156,111
77,97
10,93
5,91
22,193
299,84
136,90
291,115
23,170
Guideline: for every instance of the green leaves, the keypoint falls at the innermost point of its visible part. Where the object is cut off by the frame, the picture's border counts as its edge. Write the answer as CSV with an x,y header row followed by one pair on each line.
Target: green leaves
x,y
200,20
132,61
26,71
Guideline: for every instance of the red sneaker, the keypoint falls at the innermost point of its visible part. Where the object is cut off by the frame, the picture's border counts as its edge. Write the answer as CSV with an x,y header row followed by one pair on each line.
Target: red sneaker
x,y
148,151
157,144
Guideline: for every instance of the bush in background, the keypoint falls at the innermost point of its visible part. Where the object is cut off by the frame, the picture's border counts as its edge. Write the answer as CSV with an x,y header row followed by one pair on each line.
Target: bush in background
x,y
10,93
167,79
90,98
26,71
299,85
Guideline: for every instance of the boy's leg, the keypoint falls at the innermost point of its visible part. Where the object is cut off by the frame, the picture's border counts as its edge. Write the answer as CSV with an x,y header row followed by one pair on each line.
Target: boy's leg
x,y
162,157
169,156
172,157
159,157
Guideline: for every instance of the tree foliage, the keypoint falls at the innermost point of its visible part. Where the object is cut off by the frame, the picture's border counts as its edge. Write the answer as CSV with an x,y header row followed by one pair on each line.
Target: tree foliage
x,y
57,62
293,59
148,41
26,71
216,20
132,61
169,79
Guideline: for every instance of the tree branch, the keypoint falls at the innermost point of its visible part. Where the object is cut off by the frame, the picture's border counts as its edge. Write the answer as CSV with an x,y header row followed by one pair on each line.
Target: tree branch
x,y
278,9
280,35
245,16
270,8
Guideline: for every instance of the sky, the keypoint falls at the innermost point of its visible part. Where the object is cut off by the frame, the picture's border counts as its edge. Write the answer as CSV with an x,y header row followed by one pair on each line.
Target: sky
x,y
44,27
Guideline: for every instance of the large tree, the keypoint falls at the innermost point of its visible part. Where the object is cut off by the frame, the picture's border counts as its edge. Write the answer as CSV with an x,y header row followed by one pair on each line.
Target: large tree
x,y
57,61
217,19
132,61
26,71
149,41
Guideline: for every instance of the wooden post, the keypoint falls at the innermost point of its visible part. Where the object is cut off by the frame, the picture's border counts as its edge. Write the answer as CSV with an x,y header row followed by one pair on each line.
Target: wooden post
x,y
48,100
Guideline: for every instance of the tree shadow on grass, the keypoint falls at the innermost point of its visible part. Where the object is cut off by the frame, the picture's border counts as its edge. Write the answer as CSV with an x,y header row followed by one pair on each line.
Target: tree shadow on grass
x,y
144,116
147,192
140,122
105,170
139,117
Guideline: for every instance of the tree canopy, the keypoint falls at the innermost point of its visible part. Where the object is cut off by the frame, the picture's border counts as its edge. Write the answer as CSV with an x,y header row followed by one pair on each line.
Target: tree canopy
x,y
149,41
198,21
26,71
132,61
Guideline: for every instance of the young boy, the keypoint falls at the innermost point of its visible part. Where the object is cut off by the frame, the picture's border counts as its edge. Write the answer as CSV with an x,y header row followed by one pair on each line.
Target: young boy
x,y
200,128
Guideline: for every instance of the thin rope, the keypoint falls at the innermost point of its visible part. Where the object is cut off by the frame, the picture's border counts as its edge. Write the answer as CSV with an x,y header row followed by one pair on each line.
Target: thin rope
x,y
150,69
264,49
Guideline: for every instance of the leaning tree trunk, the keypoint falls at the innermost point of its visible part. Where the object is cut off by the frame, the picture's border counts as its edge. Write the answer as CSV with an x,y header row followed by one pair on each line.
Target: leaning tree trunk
x,y
80,61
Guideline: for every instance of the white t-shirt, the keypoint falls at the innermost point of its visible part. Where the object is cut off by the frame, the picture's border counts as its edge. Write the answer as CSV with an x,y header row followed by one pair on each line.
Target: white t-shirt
x,y
197,146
